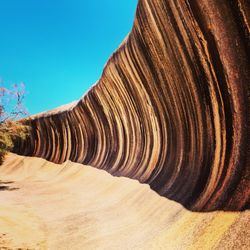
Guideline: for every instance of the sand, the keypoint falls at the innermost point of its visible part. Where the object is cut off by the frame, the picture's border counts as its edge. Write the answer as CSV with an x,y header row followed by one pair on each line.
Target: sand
x,y
72,206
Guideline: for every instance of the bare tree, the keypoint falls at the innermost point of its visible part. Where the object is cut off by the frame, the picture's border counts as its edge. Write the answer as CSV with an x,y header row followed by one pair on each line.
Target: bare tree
x,y
12,102
11,110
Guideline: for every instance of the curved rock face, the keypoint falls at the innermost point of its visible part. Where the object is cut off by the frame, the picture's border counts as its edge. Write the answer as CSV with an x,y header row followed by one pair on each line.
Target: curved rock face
x,y
171,108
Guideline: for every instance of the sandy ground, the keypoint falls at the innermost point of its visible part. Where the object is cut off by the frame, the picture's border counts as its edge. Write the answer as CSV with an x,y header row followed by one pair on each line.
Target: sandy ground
x,y
71,206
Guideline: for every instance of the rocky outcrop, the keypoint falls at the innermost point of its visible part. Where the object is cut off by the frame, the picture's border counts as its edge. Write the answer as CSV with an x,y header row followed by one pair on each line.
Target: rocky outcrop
x,y
171,108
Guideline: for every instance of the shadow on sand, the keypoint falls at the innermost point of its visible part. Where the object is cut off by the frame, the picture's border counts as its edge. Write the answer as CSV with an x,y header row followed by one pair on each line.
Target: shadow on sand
x,y
5,186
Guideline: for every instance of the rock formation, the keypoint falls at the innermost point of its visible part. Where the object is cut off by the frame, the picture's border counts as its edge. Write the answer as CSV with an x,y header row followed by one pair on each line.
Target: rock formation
x,y
171,109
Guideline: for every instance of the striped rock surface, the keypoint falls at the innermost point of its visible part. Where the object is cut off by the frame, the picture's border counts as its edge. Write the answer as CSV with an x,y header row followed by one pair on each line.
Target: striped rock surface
x,y
171,108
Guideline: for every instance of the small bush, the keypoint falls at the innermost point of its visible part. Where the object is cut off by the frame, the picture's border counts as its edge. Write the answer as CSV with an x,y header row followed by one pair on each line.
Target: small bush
x,y
11,109
11,130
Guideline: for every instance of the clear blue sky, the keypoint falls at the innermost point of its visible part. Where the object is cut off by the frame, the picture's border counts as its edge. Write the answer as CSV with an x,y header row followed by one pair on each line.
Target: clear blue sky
x,y
58,47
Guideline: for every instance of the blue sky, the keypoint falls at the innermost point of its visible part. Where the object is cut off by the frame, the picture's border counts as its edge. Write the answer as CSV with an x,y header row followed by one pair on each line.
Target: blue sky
x,y
58,48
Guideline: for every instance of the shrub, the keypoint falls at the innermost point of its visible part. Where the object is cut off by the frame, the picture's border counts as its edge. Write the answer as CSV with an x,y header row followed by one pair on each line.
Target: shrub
x,y
11,109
